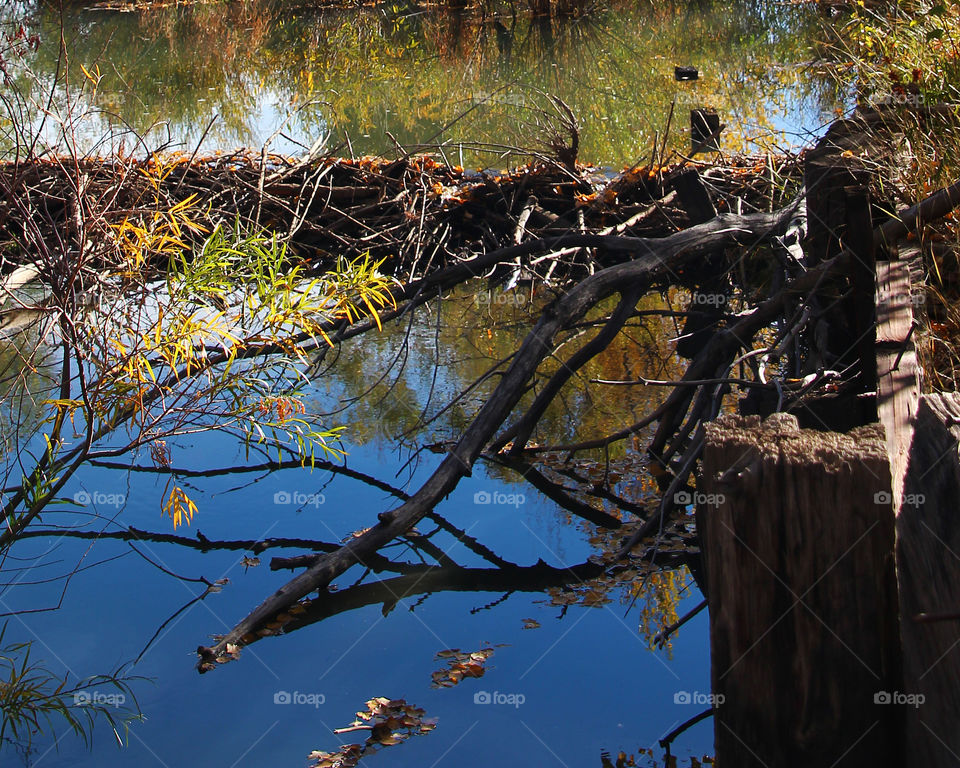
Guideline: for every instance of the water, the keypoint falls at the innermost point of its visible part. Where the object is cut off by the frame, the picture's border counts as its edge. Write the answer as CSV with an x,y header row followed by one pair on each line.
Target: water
x,y
248,73
619,697
588,679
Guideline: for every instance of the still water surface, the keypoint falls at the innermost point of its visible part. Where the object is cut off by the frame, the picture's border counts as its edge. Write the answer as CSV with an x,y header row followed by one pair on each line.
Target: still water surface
x,y
586,675
241,74
248,73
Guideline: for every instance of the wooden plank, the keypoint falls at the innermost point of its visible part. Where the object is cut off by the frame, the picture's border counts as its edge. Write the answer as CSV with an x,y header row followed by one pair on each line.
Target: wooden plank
x,y
801,588
928,573
861,305
898,374
894,309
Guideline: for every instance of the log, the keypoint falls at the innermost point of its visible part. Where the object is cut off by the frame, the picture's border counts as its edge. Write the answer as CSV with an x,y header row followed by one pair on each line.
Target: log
x,y
654,259
801,591
931,208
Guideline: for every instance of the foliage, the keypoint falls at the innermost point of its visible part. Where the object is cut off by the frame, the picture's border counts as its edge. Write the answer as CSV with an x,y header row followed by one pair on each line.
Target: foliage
x,y
905,58
155,323
660,594
904,53
222,343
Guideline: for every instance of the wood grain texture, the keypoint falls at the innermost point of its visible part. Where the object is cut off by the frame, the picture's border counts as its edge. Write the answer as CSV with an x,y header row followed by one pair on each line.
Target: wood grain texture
x,y
928,570
800,575
898,374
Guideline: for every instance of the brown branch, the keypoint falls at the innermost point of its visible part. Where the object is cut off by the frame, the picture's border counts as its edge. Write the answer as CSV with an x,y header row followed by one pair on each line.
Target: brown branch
x,y
654,259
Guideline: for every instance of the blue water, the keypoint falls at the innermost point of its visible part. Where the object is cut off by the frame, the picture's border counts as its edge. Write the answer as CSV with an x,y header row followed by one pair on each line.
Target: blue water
x,y
587,680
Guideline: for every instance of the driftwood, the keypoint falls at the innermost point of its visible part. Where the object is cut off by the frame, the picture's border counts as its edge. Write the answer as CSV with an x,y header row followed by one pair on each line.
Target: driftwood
x,y
654,259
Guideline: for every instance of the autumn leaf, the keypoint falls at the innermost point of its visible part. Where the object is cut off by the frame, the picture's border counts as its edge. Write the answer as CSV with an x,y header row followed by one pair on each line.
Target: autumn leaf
x,y
389,721
460,665
179,507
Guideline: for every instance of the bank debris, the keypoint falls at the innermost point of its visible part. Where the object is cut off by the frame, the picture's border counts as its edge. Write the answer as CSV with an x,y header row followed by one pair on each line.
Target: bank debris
x,y
415,213
388,722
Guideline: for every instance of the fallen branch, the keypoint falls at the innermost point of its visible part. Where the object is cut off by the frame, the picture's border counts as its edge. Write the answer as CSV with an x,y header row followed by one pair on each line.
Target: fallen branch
x,y
654,259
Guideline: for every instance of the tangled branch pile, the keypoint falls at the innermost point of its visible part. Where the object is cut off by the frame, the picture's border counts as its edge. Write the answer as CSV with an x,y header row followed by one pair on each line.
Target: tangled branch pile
x,y
414,212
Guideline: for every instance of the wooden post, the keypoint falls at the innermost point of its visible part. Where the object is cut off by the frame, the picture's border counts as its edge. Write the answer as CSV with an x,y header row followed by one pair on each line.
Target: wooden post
x,y
921,435
709,296
928,571
861,306
898,385
797,535
704,124
838,218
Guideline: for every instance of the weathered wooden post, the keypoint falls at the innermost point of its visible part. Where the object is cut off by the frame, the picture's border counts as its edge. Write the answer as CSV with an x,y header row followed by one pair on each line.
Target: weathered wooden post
x,y
797,534
928,570
832,560
922,439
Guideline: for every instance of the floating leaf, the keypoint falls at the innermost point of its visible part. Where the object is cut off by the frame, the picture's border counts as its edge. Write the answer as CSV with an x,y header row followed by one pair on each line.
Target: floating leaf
x,y
459,666
531,624
389,721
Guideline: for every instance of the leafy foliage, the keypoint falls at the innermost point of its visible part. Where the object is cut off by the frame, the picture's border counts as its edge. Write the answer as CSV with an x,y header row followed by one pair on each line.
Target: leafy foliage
x,y
904,50
905,58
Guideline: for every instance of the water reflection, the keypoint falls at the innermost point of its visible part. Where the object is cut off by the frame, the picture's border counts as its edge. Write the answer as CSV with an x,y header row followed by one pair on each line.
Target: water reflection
x,y
374,78
379,76
471,336
472,559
